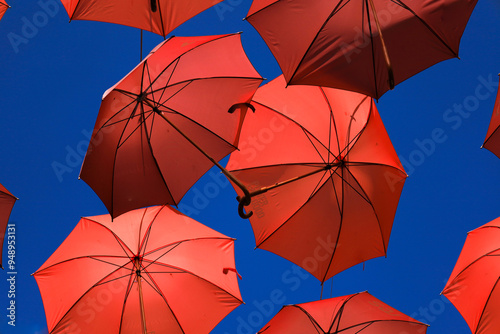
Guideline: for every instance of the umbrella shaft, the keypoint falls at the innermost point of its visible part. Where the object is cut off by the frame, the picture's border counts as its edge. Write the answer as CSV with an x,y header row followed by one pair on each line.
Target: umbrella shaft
x,y
141,298
279,184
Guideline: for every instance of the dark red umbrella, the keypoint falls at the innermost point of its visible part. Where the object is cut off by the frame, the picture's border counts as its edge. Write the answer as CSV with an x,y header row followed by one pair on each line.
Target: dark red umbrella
x,y
324,176
169,121
367,46
492,140
158,16
7,201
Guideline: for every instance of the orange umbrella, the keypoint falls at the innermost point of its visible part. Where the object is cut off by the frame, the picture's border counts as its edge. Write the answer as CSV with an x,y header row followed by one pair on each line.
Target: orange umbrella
x,y
492,141
152,270
367,46
169,121
351,314
473,284
158,16
7,201
3,8
325,176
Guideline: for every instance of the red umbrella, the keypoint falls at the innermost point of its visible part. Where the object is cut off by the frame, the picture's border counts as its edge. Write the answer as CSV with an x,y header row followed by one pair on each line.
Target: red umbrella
x,y
473,284
367,46
169,121
152,270
492,141
7,201
158,16
351,314
3,8
325,176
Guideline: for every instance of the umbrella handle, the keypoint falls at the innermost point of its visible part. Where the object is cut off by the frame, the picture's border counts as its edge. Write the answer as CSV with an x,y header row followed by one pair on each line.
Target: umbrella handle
x,y
239,105
244,201
154,8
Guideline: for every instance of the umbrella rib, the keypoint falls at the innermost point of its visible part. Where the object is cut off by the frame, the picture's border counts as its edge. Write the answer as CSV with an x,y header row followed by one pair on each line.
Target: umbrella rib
x,y
288,219
83,295
337,8
78,258
291,120
162,295
473,262
139,241
489,137
162,22
184,271
332,122
122,244
125,298
316,149
341,212
338,314
197,123
485,305
316,325
153,156
405,6
356,137
372,47
369,202
180,242
368,323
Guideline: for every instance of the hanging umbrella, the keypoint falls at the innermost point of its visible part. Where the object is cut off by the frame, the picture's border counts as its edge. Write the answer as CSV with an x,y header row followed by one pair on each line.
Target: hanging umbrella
x,y
492,141
473,284
367,46
352,314
3,8
7,201
324,174
152,270
169,121
157,16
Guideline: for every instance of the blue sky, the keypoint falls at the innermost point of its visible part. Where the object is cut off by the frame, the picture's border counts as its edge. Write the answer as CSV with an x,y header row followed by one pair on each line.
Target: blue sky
x,y
53,74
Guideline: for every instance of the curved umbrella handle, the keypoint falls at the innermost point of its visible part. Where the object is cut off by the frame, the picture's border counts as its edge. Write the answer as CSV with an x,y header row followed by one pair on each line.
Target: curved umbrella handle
x,y
244,201
240,105
154,8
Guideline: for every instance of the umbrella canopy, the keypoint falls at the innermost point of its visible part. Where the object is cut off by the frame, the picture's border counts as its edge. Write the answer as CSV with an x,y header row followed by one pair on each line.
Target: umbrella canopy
x,y
157,16
325,176
351,314
492,141
473,284
158,125
152,270
7,201
3,8
367,46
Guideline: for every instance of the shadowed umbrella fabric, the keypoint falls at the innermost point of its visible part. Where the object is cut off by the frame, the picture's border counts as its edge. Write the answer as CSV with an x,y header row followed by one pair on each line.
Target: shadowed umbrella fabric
x,y
151,264
338,44
351,314
169,14
7,201
3,8
136,158
492,141
339,215
473,286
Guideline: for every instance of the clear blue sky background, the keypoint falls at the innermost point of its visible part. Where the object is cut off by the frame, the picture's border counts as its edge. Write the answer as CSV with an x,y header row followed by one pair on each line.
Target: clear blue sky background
x,y
53,74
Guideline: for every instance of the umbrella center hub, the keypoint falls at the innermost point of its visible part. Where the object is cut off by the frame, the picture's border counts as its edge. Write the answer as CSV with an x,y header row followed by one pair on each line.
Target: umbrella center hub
x,y
137,264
